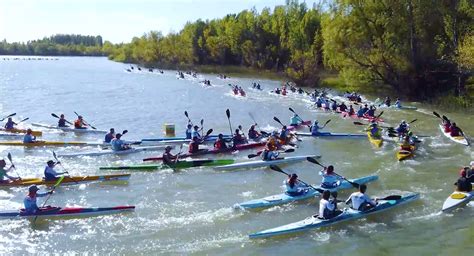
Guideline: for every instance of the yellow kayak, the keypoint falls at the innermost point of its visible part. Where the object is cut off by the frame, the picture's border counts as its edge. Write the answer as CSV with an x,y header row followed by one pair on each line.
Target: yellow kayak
x,y
375,141
404,154
15,130
71,180
49,143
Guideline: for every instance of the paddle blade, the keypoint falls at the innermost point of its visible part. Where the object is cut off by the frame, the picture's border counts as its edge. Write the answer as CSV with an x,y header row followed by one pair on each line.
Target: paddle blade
x,y
392,197
358,123
412,121
289,150
59,181
436,114
291,110
186,114
54,115
278,169
124,131
277,120
314,161
209,132
55,157
227,112
9,156
252,155
327,122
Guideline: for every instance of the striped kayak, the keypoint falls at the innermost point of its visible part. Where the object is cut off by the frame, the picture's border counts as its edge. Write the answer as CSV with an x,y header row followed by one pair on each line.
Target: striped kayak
x,y
71,180
262,163
55,212
69,129
405,154
347,214
459,139
284,198
212,151
15,130
374,141
179,165
50,143
112,152
332,135
457,199
210,138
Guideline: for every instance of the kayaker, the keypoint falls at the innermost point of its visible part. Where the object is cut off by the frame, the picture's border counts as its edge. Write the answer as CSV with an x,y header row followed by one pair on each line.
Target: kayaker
x,y
398,103
118,144
360,201
30,200
168,158
79,123
109,136
293,186
387,101
189,131
315,128
371,111
328,208
4,172
470,173
220,142
253,134
406,143
62,121
330,179
29,138
258,87
403,128
195,132
10,124
342,107
334,106
49,173
362,111
374,130
237,138
270,151
463,184
447,125
285,136
455,130
277,91
295,120
194,145
351,111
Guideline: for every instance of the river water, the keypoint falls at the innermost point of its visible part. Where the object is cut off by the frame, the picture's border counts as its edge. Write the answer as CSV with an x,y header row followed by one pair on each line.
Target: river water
x,y
190,212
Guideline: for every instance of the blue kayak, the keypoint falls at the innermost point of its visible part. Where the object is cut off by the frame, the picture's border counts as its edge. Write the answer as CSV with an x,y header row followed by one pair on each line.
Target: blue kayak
x,y
284,198
347,214
332,135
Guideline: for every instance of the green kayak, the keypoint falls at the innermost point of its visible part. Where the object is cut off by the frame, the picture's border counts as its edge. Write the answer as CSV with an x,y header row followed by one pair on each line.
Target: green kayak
x,y
178,165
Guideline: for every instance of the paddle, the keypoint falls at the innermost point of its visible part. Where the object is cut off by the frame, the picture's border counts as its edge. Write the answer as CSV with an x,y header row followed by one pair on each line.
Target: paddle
x,y
314,161
69,175
51,192
227,112
179,153
437,115
7,117
260,152
186,114
278,169
297,115
391,197
23,120
85,121
278,121
202,125
9,156
54,115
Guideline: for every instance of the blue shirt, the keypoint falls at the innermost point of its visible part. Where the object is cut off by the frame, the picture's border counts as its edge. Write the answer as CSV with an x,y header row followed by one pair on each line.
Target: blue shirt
x,y
189,133
9,125
30,202
28,138
117,145
195,134
295,120
108,137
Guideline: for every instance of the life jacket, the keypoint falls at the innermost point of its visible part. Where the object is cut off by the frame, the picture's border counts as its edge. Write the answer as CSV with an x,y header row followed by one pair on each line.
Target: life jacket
x,y
455,131
220,144
193,147
78,123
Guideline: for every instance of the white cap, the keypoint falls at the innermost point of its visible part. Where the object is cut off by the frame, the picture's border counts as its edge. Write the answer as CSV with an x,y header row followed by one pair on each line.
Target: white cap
x,y
472,163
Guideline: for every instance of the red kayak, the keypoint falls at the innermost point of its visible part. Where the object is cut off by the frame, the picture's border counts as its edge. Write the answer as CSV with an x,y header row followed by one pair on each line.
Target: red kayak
x,y
212,151
365,117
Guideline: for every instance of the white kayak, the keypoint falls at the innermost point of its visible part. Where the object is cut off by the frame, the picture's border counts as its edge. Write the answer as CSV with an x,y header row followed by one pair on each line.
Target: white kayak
x,y
459,139
69,129
261,163
347,214
457,199
11,135
112,152
284,198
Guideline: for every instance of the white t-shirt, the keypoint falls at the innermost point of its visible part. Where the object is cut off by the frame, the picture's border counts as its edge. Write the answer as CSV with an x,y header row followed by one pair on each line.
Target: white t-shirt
x,y
358,199
325,205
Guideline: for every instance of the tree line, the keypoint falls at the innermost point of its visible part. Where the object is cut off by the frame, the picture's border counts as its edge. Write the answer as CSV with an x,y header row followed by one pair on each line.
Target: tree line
x,y
56,45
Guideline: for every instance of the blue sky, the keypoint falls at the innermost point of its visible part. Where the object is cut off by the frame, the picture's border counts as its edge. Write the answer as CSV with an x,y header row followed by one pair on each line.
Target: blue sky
x,y
115,20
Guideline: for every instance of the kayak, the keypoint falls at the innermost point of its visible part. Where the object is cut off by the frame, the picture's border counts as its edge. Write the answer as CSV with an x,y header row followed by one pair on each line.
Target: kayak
x,y
10,135
458,139
405,154
457,199
112,152
54,212
68,129
72,180
50,143
399,107
365,117
179,165
347,214
262,163
212,151
210,138
332,135
301,125
376,142
15,130
284,198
